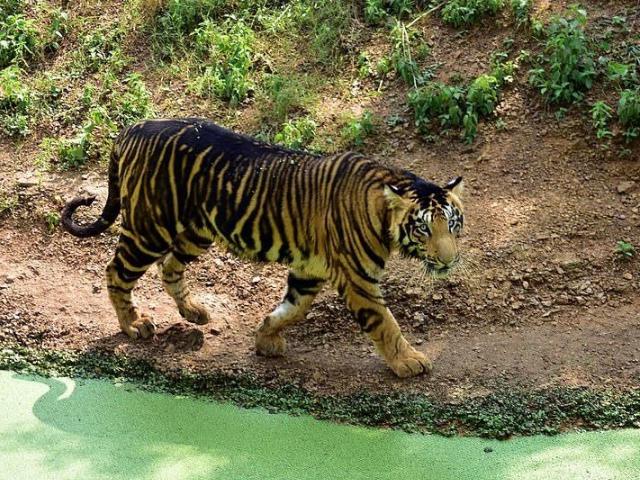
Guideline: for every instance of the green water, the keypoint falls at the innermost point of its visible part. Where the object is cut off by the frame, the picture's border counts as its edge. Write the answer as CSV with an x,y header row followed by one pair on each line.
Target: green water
x,y
63,429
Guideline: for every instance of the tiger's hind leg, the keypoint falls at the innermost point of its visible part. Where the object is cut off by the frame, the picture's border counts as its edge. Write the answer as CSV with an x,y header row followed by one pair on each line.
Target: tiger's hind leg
x,y
128,265
301,290
188,245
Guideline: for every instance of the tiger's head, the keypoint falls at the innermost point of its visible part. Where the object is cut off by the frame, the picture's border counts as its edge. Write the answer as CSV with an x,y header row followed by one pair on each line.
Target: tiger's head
x,y
426,221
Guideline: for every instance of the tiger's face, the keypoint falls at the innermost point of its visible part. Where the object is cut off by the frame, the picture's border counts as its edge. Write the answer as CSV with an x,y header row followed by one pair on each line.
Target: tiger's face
x,y
429,222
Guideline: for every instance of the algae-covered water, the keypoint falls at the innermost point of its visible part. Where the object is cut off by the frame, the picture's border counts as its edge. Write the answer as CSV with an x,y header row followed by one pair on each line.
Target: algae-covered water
x,y
64,429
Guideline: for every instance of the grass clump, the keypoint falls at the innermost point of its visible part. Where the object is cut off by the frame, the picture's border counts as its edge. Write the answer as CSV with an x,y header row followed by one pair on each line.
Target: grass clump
x,y
225,52
16,102
566,68
357,129
284,95
297,133
328,24
376,11
629,113
102,47
465,12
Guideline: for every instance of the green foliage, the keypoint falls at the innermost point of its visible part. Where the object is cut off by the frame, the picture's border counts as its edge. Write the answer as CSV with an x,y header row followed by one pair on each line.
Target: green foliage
x,y
625,250
16,101
296,134
58,27
52,220
465,12
11,7
18,39
566,68
629,112
285,94
179,19
446,106
102,47
376,11
329,24
404,62
438,103
622,73
522,10
601,114
7,202
357,129
225,51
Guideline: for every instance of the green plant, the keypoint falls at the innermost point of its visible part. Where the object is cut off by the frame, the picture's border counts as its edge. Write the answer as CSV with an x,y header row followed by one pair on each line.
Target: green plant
x,y
296,133
131,105
285,94
102,47
466,12
7,202
437,103
16,102
226,51
52,220
328,23
18,39
178,19
629,112
566,68
622,73
601,114
625,250
521,10
404,62
357,129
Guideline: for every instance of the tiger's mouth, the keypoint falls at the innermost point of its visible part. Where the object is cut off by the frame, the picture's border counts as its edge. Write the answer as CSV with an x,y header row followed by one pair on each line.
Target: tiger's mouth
x,y
438,271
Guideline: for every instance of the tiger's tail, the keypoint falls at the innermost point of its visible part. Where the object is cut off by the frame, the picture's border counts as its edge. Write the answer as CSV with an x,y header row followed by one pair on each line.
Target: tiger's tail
x,y
109,213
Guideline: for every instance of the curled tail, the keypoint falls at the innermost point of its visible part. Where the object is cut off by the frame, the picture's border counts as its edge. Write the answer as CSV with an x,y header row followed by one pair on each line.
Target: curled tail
x,y
109,213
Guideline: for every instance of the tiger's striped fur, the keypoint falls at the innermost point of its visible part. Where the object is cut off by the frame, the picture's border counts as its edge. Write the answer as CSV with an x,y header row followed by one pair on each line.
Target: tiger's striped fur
x,y
182,184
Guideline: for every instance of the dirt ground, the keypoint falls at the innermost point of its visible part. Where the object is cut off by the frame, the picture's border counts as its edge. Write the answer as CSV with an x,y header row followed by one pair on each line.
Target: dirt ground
x,y
541,301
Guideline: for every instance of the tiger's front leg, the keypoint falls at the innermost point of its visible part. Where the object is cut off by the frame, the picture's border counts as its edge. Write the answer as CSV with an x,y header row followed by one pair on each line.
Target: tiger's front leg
x,y
301,290
378,323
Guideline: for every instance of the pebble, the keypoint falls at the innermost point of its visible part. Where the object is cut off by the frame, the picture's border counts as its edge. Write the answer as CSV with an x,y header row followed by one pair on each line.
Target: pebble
x,y
627,276
626,186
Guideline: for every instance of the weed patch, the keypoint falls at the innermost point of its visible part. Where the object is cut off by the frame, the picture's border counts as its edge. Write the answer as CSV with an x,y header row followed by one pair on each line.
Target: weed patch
x,y
566,68
465,12
297,133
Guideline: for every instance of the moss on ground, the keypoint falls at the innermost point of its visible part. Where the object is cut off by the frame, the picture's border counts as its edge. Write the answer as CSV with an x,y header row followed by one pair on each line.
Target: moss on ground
x,y
497,415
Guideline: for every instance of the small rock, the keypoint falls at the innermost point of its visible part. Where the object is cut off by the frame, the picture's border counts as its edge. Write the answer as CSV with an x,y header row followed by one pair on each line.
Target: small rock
x,y
437,296
255,280
626,186
627,276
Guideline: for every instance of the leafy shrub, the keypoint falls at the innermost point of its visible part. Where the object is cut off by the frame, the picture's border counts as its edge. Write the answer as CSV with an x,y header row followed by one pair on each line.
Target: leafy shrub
x,y
566,68
18,39
601,114
133,104
622,73
296,133
482,96
15,102
226,51
179,19
465,12
328,23
404,62
357,129
521,10
438,103
375,11
58,26
629,112
285,95
102,47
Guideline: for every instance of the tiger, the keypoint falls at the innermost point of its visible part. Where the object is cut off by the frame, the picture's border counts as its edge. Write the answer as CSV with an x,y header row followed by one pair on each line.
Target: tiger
x,y
183,184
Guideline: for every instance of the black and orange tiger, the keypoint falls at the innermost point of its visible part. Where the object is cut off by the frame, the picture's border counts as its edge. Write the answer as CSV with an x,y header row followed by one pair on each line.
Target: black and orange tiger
x,y
182,184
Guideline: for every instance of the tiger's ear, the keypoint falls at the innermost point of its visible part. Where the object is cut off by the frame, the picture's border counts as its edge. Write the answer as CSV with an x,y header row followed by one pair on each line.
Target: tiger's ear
x,y
395,199
456,186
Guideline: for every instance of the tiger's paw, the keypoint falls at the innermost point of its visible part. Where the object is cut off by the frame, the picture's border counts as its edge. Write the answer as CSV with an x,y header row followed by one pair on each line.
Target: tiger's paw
x,y
195,313
410,363
142,327
270,345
